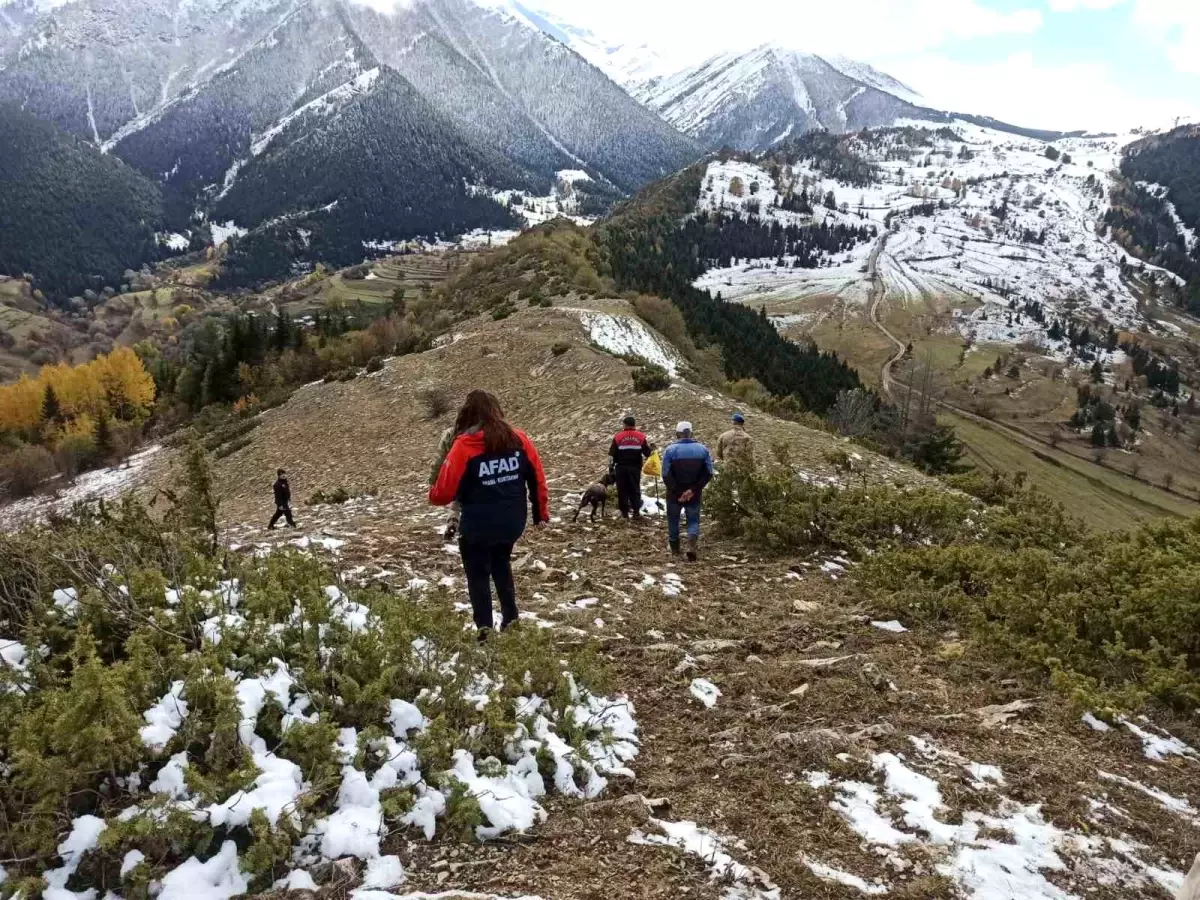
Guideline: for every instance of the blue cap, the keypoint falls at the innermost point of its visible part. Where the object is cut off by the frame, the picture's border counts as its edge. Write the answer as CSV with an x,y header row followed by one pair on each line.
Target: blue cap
x,y
739,418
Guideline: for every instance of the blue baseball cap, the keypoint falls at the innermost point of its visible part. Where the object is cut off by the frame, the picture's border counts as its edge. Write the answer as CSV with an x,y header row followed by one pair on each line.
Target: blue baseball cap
x,y
739,418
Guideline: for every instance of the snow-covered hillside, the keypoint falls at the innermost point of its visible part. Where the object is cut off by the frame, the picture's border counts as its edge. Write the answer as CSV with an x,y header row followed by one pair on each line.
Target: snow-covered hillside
x,y
626,64
987,221
754,100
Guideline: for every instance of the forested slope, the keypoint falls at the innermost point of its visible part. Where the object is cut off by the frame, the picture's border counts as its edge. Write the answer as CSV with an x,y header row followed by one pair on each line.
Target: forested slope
x,y
70,215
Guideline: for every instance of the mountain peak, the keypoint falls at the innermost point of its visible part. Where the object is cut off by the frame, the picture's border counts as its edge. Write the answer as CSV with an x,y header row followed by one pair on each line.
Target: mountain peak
x,y
756,98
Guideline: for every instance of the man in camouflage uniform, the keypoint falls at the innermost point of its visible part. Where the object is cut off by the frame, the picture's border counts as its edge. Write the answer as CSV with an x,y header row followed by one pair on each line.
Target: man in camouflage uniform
x,y
736,447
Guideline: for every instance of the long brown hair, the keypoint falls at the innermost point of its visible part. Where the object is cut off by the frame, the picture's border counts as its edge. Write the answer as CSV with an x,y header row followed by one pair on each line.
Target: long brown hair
x,y
482,410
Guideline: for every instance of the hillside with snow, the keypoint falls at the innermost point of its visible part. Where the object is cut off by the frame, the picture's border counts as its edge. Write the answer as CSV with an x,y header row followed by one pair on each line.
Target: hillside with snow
x,y
754,100
972,215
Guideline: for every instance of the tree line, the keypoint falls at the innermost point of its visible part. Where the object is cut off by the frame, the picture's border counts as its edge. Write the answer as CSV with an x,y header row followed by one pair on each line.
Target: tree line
x,y
71,418
719,238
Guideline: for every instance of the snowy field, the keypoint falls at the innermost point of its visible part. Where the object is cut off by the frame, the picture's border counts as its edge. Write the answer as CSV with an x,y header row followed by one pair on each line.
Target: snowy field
x,y
102,484
1015,224
628,335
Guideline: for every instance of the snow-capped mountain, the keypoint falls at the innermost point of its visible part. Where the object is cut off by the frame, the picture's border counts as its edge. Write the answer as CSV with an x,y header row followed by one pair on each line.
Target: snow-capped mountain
x,y
127,73
329,122
626,64
753,100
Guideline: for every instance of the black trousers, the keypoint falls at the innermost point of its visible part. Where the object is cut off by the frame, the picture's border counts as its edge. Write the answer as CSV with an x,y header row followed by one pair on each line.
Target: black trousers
x,y
483,564
629,489
282,512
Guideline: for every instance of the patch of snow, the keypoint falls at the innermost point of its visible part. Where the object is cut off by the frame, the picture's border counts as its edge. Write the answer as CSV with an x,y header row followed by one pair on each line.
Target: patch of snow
x,y
297,880
1095,724
164,718
705,691
892,626
83,838
383,872
627,335
218,879
1159,746
325,105
66,599
837,876
710,847
1177,805
131,861
102,484
222,233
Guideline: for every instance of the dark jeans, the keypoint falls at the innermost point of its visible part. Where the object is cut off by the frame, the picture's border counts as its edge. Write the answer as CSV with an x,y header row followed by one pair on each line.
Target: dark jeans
x,y
692,513
483,564
282,512
629,489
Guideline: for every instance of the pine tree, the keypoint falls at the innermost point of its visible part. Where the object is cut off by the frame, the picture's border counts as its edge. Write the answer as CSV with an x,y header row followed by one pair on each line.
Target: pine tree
x,y
1099,436
104,437
52,413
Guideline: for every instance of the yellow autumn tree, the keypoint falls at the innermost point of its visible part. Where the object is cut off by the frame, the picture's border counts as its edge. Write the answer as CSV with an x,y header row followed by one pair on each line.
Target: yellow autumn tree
x,y
21,405
116,385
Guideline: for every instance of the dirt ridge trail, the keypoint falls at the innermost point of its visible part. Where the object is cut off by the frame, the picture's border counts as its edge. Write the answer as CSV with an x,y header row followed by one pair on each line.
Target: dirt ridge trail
x,y
878,295
818,712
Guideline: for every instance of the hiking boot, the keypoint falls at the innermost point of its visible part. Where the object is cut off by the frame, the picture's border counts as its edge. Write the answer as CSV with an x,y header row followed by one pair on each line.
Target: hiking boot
x,y
484,634
512,625
693,549
674,547
451,532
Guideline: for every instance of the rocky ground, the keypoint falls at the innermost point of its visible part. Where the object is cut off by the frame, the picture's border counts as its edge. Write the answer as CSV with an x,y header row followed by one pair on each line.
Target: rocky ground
x,y
793,745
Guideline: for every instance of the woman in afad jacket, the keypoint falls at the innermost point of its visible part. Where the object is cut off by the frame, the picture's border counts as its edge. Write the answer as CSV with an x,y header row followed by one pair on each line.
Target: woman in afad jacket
x,y
492,469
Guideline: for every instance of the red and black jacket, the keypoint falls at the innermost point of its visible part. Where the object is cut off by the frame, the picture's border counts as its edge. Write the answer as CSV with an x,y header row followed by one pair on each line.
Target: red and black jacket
x,y
630,448
492,488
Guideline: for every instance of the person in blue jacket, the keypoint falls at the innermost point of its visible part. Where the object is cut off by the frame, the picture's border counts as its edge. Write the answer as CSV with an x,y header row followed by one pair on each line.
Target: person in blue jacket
x,y
687,467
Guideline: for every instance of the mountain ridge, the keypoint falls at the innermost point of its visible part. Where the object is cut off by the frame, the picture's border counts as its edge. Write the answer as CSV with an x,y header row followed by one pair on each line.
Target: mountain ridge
x,y
751,100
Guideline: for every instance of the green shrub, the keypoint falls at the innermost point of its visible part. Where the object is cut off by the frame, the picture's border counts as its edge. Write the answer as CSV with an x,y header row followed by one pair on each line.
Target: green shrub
x,y
1112,619
781,514
651,378
149,591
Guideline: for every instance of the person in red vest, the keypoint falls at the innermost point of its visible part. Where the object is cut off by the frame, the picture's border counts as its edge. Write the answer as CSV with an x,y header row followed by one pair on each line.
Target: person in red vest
x,y
493,470
629,451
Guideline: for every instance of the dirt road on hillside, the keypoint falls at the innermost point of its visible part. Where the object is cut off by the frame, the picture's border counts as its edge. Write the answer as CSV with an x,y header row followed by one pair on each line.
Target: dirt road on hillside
x,y
878,294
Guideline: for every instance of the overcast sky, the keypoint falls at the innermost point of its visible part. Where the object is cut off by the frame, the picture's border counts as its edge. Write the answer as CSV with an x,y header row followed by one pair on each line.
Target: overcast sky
x,y
1098,64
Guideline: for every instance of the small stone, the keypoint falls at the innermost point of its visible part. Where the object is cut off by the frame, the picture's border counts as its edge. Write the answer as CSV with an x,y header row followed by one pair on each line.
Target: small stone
x,y
754,659
443,877
800,691
805,606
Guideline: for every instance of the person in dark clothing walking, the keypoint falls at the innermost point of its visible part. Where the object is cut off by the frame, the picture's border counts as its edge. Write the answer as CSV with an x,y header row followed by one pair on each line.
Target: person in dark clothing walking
x,y
492,470
687,467
283,501
629,451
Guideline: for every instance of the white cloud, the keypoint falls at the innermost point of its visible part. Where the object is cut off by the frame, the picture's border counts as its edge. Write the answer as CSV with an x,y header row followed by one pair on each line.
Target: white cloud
x,y
687,31
1023,92
1075,5
1175,24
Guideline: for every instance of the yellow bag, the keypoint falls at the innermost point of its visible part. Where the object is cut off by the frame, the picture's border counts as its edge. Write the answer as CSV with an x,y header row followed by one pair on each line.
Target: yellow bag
x,y
653,466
